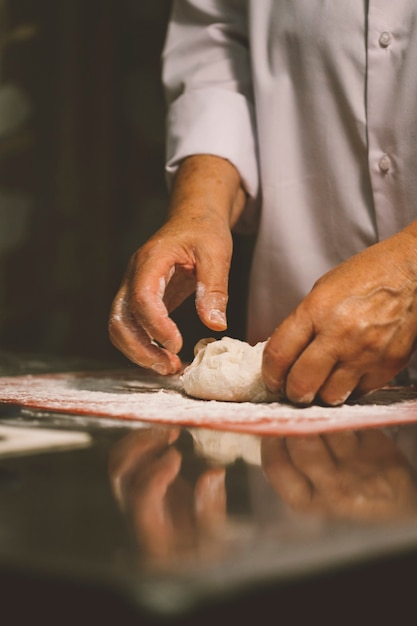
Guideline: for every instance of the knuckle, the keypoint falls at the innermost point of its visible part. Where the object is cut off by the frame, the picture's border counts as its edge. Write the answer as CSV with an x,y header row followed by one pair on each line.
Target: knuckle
x,y
115,327
273,358
138,296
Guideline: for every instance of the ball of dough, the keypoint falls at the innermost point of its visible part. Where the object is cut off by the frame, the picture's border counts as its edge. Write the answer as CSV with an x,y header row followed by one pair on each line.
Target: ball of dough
x,y
228,370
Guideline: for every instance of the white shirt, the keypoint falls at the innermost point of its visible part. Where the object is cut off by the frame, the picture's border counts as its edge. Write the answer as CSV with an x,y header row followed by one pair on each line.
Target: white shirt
x,y
315,103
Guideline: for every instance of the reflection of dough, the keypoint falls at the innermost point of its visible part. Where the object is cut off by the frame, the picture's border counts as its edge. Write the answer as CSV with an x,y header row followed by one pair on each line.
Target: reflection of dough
x,y
228,369
223,448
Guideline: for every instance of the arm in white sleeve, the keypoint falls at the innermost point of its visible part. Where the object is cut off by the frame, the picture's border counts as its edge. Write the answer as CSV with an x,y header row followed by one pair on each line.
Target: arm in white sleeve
x,y
208,86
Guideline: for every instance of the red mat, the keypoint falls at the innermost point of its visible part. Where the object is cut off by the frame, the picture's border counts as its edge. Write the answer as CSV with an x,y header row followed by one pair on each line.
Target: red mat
x,y
136,394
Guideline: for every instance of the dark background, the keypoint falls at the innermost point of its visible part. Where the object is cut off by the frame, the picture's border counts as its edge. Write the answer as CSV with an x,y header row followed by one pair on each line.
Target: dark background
x,y
82,170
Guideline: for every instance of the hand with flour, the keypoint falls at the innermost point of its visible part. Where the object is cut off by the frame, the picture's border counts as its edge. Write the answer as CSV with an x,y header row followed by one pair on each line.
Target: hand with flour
x,y
191,252
354,331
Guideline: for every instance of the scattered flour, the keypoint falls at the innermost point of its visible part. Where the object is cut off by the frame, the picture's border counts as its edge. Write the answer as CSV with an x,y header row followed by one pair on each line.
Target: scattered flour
x,y
135,394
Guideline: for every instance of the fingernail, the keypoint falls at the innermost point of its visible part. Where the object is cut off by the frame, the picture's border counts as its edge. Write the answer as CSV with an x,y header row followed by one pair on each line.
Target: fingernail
x,y
160,368
170,346
307,399
217,317
341,400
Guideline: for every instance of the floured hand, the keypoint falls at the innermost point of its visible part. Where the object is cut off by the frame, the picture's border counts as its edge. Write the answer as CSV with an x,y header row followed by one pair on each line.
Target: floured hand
x,y
354,331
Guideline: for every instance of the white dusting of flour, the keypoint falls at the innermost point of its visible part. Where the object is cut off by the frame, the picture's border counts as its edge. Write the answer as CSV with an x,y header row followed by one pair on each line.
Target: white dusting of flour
x,y
136,394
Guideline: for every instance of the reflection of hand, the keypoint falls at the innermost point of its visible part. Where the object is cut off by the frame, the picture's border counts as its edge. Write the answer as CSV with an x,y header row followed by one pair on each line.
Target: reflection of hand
x,y
354,331
191,252
169,514
349,475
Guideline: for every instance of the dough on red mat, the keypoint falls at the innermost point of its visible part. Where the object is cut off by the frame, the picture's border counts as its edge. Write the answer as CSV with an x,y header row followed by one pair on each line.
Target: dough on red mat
x,y
228,370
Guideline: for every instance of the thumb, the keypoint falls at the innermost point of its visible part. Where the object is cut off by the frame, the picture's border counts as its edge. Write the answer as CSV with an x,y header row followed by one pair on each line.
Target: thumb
x,y
212,296
212,276
211,303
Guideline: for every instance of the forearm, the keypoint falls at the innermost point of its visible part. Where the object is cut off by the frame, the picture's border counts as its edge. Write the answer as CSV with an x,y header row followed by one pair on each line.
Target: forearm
x,y
207,187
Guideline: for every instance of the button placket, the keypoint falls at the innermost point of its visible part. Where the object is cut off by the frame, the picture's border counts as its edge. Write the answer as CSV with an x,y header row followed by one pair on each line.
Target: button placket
x,y
391,81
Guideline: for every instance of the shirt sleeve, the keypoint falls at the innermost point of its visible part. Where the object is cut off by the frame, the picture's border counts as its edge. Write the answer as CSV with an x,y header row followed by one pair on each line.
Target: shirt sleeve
x,y
208,86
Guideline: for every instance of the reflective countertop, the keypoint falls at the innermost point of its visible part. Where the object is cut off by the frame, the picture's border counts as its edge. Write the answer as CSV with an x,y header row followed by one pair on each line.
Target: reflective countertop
x,y
178,519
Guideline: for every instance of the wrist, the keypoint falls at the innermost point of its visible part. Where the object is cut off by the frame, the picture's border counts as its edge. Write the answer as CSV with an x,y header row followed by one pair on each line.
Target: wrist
x,y
207,184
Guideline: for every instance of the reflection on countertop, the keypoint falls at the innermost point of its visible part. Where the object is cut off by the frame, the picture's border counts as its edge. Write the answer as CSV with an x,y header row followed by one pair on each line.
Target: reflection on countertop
x,y
180,517
195,495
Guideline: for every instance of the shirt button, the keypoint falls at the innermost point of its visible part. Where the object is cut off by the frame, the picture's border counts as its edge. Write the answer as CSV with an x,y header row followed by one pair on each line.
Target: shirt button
x,y
384,163
385,39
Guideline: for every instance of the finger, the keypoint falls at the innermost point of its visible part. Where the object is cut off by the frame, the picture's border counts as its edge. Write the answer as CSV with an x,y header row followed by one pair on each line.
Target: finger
x,y
288,482
134,450
150,516
341,383
375,380
211,307
283,348
347,379
145,302
309,372
311,456
210,499
343,445
150,483
135,343
212,290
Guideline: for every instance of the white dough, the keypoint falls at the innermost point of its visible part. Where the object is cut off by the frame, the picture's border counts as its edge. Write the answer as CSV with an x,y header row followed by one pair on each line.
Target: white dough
x,y
228,370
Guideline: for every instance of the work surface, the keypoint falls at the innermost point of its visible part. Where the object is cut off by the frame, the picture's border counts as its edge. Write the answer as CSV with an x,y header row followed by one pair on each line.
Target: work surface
x,y
137,395
176,518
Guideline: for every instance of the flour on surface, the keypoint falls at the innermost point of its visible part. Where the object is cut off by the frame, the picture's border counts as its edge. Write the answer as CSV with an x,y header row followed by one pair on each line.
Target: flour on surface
x,y
143,396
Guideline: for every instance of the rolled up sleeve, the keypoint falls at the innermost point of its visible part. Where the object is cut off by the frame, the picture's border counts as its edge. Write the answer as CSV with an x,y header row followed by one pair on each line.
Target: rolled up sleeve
x,y
208,87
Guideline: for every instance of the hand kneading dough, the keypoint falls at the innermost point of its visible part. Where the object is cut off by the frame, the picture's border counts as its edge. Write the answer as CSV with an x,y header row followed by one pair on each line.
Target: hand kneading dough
x,y
228,370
